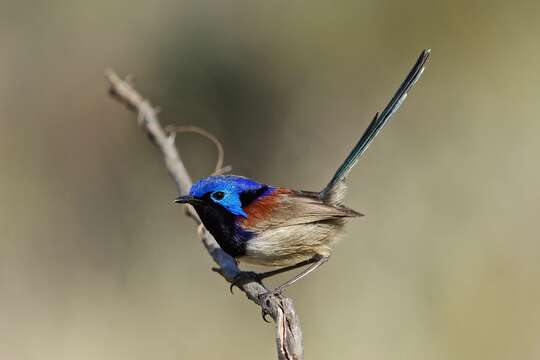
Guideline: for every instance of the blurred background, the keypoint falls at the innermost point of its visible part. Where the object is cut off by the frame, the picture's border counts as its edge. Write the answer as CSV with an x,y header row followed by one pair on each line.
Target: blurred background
x,y
97,263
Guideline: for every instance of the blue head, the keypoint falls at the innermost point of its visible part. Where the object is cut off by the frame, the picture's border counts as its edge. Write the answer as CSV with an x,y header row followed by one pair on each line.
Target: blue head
x,y
219,201
230,193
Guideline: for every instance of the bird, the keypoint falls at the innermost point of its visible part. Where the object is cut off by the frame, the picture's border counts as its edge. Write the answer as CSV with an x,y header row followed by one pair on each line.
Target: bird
x,y
257,223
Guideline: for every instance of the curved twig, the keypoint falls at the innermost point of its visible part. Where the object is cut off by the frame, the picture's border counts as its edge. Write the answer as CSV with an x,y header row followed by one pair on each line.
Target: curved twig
x,y
288,332
220,169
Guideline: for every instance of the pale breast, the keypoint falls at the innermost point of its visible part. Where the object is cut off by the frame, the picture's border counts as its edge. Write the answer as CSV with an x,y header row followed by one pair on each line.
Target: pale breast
x,y
289,245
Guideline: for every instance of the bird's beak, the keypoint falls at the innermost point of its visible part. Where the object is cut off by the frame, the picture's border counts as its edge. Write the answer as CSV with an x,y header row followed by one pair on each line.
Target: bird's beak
x,y
188,199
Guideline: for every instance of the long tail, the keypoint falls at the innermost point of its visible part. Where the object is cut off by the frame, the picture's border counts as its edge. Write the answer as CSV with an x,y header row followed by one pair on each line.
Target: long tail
x,y
377,124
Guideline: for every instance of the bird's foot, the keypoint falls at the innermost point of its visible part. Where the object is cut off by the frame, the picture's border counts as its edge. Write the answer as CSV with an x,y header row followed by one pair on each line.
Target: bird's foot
x,y
265,301
244,277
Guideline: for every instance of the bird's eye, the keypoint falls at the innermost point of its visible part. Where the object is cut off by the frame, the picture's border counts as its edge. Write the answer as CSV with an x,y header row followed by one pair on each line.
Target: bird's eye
x,y
218,195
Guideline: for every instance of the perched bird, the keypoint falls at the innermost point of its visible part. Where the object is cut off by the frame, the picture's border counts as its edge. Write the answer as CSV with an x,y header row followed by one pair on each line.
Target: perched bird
x,y
273,226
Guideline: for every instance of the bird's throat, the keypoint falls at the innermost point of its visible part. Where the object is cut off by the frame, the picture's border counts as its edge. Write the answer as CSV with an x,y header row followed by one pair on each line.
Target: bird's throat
x,y
221,224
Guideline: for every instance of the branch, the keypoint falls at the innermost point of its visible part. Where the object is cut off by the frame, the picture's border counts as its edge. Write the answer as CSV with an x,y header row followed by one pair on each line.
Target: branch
x,y
288,331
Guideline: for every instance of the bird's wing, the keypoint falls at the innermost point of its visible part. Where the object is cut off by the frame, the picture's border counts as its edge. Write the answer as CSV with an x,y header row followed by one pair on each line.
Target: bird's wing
x,y
286,208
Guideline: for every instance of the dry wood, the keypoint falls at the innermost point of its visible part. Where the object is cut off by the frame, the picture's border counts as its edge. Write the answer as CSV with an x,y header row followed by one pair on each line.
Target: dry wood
x,y
288,332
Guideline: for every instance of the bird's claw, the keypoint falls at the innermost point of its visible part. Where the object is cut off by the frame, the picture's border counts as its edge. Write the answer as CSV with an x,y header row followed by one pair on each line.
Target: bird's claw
x,y
265,302
243,278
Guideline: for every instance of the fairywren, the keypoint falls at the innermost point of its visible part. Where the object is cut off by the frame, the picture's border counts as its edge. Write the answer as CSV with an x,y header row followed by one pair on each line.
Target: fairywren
x,y
274,226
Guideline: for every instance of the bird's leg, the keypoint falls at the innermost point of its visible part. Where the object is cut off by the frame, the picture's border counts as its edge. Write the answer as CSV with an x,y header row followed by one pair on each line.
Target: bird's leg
x,y
248,276
244,277
268,274
317,261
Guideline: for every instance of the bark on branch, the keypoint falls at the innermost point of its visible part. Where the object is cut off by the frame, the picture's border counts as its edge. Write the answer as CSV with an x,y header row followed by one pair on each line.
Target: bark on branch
x,y
288,332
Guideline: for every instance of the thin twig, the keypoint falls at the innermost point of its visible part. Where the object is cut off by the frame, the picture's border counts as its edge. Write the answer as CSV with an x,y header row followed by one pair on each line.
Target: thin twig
x,y
288,332
220,169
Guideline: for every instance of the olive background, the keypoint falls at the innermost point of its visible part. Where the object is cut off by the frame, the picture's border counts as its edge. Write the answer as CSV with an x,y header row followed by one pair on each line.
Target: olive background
x,y
97,263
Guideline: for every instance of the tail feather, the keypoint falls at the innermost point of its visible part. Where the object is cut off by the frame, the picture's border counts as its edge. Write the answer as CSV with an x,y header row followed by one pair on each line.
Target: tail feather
x,y
375,127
